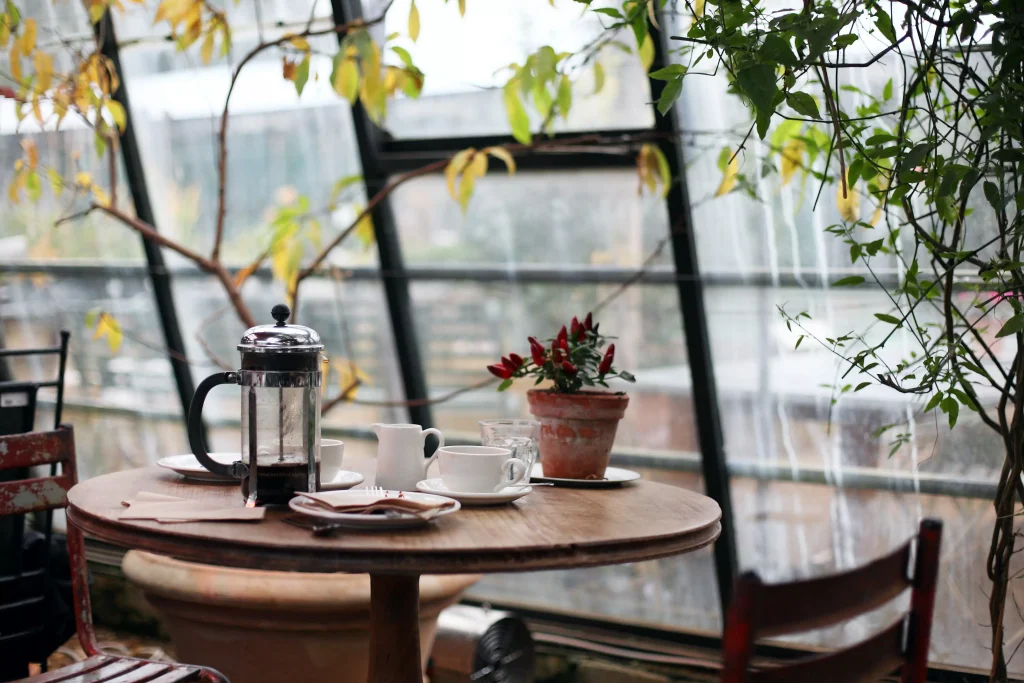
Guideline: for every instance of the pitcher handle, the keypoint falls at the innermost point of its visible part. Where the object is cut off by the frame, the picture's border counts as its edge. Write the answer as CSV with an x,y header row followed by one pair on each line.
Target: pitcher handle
x,y
440,445
195,426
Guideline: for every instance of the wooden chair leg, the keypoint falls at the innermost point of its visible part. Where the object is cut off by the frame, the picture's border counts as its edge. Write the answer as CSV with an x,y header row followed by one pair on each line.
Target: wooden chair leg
x,y
80,591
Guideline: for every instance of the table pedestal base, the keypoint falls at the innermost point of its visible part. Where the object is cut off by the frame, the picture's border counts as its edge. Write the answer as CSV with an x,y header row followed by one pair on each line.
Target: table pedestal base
x,y
395,629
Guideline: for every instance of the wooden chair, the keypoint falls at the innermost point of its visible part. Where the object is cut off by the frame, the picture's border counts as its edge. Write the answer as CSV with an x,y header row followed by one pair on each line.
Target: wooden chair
x,y
760,610
19,621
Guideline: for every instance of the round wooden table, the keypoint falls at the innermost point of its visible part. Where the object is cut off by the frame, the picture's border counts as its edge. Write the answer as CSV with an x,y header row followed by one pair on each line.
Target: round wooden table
x,y
552,528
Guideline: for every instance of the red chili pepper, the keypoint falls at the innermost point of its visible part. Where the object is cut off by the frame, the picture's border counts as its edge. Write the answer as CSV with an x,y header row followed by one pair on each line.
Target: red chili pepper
x,y
588,322
8,93
569,368
556,355
562,338
537,352
517,359
574,328
606,362
499,371
509,364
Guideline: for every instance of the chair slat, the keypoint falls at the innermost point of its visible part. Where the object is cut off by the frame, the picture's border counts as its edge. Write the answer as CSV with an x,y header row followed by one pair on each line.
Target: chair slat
x,y
26,583
35,448
866,661
815,603
70,671
32,495
144,673
100,674
179,675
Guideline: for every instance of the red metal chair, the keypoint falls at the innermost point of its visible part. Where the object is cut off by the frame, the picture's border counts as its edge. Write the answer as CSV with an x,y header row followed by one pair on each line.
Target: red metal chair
x,y
760,610
50,493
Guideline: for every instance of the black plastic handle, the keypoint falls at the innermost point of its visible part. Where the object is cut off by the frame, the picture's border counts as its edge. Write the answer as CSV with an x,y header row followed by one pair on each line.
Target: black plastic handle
x,y
195,426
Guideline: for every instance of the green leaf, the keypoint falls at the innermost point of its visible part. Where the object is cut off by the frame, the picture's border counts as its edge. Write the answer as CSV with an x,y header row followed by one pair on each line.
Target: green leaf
x,y
887,91
100,144
891,319
853,172
669,94
505,385
884,24
964,399
33,186
564,96
915,156
862,385
798,342
776,49
933,402
627,376
951,408
90,317
403,54
598,77
1012,326
802,103
668,73
610,11
847,281
992,194
302,75
341,184
517,116
758,84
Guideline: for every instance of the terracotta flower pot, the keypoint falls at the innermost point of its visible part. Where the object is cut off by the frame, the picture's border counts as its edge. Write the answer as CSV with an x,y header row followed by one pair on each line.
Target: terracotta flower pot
x,y
269,627
577,431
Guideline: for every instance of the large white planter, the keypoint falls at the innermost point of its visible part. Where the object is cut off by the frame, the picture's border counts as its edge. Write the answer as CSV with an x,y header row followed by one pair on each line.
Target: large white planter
x,y
269,627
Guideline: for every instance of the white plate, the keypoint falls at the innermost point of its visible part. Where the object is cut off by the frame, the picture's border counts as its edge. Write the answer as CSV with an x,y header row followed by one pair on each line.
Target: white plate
x,y
506,495
356,521
187,466
341,480
613,476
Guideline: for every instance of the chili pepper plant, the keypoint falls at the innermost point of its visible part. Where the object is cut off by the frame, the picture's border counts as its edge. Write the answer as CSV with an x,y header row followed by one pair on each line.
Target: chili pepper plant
x,y
574,359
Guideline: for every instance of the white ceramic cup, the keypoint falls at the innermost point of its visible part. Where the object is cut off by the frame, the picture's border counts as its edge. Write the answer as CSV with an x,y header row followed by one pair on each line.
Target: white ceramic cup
x,y
331,453
480,469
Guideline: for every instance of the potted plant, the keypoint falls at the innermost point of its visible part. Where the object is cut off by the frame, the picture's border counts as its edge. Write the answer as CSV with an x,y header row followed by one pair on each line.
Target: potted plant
x,y
578,420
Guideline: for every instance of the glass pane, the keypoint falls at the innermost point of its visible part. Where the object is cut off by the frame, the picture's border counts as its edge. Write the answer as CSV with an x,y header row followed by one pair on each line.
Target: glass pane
x,y
782,419
568,218
465,60
464,327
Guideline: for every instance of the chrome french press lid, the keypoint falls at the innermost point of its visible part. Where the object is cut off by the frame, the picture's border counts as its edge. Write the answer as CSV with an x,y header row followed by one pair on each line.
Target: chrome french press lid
x,y
280,337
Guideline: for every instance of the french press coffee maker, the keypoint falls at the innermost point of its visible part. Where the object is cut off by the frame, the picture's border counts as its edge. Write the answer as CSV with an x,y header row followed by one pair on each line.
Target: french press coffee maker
x,y
280,380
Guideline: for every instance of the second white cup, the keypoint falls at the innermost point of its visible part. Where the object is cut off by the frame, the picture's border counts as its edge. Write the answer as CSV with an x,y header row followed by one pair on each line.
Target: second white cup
x,y
480,469
331,453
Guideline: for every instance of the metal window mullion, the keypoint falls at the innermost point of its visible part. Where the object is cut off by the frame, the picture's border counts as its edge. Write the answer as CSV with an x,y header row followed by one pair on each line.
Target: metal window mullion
x,y
158,274
396,286
695,327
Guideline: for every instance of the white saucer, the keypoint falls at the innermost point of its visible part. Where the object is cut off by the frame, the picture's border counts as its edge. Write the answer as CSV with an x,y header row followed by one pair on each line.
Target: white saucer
x,y
506,495
187,466
613,476
341,480
378,521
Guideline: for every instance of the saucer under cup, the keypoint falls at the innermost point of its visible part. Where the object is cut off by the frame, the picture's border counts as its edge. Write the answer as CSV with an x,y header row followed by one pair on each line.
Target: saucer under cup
x,y
505,495
480,469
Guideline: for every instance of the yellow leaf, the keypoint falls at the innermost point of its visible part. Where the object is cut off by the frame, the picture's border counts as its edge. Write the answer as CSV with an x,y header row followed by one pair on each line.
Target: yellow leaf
x,y
118,114
83,180
244,273
462,7
5,33
729,177
15,61
28,37
108,327
849,206
300,43
598,77
284,262
99,196
16,184
476,168
56,182
31,152
792,158
455,167
876,215
414,22
346,80
645,170
646,52
698,9
350,377
288,69
37,111
43,63
659,162
364,229
206,51
503,154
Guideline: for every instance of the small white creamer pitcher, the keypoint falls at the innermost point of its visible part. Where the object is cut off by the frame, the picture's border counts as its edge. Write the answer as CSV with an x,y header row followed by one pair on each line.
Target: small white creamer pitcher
x,y
400,461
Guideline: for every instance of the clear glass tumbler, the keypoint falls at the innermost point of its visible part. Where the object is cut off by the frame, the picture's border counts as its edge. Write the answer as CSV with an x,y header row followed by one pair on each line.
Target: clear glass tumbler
x,y
522,437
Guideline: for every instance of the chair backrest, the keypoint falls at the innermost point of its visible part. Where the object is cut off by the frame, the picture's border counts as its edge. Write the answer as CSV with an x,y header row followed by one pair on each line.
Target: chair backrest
x,y
760,610
18,451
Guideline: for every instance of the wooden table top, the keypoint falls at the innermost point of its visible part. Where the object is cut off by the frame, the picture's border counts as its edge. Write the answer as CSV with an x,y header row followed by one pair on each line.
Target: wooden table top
x,y
552,528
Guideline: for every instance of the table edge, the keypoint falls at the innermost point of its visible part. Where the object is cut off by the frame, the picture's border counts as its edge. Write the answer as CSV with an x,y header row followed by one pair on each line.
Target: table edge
x,y
570,556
